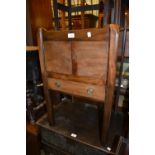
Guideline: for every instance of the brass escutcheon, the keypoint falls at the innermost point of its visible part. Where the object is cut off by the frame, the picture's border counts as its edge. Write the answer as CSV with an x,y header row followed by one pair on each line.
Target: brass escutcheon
x,y
57,84
90,91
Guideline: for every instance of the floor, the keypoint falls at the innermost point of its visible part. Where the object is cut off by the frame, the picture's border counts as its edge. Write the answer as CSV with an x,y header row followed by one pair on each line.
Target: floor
x,y
80,121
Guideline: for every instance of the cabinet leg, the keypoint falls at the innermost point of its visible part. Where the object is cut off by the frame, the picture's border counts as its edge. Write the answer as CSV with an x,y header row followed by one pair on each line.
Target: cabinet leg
x,y
49,106
106,115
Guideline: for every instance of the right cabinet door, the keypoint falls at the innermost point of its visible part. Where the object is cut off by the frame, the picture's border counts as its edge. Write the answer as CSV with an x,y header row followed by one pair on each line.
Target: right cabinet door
x,y
90,59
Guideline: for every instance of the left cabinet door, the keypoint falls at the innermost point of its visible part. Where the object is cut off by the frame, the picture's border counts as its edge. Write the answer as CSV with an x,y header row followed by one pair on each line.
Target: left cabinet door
x,y
58,57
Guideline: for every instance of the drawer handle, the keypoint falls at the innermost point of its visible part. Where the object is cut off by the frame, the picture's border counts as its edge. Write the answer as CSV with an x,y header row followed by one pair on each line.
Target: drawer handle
x,y
90,91
57,84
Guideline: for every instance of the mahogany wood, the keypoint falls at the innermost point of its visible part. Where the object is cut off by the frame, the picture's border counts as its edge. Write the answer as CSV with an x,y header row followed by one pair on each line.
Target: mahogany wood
x,y
77,89
113,48
44,78
40,16
91,58
83,79
56,60
96,35
82,66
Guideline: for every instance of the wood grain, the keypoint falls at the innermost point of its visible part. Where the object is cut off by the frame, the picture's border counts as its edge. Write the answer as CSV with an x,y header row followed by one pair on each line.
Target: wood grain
x,y
96,35
58,56
113,49
76,65
40,16
83,79
77,89
49,103
91,58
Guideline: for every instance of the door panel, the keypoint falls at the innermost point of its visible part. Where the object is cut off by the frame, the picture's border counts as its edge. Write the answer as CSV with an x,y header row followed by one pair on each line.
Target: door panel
x,y
58,57
91,58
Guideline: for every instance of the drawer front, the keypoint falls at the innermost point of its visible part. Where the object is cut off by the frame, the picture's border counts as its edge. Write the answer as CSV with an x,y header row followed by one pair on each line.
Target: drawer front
x,y
78,89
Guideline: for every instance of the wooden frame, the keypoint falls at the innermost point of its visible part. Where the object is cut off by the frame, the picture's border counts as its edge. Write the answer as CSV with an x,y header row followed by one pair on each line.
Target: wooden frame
x,y
106,44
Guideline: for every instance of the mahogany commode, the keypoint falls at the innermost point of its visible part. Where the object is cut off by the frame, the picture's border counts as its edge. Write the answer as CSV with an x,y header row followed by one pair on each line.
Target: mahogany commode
x,y
80,63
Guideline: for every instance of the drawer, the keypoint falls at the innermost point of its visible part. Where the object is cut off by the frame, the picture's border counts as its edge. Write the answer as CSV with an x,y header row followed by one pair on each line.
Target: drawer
x,y
78,89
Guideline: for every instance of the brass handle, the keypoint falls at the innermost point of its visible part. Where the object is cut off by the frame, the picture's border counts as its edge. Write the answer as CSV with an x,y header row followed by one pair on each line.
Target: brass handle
x,y
90,91
57,84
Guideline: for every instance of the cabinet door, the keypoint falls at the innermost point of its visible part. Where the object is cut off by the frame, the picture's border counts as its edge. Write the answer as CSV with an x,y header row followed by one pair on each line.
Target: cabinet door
x,y
58,57
91,58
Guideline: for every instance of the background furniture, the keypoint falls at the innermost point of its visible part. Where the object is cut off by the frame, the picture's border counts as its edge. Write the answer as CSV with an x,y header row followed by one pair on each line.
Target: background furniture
x,y
38,14
32,140
80,119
